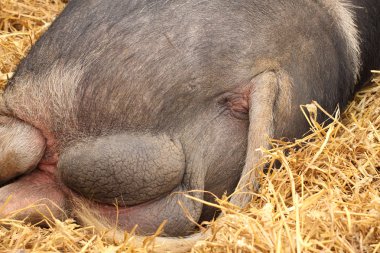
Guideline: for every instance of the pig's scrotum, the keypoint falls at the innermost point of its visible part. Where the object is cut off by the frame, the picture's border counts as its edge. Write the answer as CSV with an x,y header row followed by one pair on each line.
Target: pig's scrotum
x,y
133,102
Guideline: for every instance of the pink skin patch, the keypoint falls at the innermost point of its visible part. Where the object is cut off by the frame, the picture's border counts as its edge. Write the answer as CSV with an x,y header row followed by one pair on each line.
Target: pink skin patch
x,y
38,188
238,103
51,155
38,191
40,195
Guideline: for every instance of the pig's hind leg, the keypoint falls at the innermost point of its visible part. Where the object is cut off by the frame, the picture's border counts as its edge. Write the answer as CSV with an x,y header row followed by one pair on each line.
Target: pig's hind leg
x,y
21,148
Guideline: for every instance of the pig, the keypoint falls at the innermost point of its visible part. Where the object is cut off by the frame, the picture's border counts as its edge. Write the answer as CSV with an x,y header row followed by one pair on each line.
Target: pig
x,y
126,105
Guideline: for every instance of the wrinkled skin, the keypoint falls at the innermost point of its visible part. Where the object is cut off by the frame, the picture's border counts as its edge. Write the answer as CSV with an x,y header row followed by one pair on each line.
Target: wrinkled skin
x,y
133,102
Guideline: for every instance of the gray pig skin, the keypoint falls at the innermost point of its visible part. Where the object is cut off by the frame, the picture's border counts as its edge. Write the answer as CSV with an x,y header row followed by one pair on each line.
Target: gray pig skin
x,y
131,103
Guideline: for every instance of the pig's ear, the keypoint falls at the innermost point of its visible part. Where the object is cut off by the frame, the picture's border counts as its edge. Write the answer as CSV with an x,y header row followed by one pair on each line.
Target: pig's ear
x,y
269,94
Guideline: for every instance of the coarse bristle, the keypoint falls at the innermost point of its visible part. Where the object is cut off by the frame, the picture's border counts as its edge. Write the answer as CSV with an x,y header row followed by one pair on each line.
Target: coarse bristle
x,y
324,197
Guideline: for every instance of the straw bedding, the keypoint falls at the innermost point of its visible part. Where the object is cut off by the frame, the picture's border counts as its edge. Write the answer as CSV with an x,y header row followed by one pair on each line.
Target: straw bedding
x,y
325,197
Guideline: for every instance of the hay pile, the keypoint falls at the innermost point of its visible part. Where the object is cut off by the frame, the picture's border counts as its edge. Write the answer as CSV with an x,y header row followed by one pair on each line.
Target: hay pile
x,y
21,23
326,197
